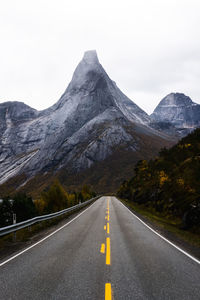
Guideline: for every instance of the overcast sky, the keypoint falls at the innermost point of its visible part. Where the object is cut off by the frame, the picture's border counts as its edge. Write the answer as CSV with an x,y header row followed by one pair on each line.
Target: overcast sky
x,y
148,47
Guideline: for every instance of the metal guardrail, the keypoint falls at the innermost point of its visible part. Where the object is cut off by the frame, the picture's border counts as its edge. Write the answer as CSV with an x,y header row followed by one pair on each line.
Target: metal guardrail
x,y
27,223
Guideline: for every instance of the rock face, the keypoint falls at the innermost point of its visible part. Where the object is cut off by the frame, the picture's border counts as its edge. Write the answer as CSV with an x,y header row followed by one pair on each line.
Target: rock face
x,y
92,119
179,112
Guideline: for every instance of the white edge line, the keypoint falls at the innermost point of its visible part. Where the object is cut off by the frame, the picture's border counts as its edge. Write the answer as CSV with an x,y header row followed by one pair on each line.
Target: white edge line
x,y
162,237
46,237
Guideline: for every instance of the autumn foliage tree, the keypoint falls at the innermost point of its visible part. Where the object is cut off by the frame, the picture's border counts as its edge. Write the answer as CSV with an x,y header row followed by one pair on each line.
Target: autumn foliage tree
x,y
57,198
170,184
52,200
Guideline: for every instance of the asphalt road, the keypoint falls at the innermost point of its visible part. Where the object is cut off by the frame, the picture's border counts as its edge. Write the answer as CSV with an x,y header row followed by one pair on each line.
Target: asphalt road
x,y
87,259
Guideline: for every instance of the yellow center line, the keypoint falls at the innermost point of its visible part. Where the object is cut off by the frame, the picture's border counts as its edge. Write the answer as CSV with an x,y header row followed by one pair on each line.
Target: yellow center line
x,y
102,248
108,228
108,291
107,251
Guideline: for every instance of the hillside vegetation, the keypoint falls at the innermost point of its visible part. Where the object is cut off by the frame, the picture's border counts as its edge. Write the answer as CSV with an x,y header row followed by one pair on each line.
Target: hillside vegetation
x,y
170,184
53,199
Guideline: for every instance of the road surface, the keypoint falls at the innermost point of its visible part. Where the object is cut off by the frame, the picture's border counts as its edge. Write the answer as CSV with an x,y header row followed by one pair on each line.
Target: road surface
x,y
103,253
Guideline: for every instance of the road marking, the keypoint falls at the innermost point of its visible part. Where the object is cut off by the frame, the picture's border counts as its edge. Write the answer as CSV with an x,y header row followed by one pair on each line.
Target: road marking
x,y
108,228
162,237
108,291
107,251
102,248
104,227
42,240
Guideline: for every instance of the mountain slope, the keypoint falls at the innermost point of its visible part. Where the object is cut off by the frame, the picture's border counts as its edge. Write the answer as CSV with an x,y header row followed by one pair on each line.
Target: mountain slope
x,y
177,113
170,184
92,119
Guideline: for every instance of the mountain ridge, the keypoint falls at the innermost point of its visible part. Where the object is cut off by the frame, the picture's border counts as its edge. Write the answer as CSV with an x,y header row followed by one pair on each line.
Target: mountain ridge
x,y
91,121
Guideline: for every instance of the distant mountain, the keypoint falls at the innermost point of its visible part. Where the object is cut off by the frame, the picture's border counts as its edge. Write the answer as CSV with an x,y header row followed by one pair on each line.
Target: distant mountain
x,y
93,134
176,113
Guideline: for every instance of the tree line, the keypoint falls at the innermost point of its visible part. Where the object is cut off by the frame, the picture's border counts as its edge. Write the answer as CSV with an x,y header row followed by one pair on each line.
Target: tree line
x,y
55,198
170,183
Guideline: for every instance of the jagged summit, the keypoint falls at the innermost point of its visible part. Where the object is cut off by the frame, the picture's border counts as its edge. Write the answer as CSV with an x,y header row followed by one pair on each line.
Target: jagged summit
x,y
15,111
86,73
91,80
175,99
91,57
178,110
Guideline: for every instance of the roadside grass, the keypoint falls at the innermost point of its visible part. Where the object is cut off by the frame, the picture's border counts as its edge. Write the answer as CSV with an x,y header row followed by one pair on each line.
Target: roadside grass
x,y
166,223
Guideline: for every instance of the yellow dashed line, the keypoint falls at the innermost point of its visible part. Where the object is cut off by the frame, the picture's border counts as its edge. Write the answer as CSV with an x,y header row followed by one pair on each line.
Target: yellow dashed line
x,y
102,248
108,291
108,228
107,251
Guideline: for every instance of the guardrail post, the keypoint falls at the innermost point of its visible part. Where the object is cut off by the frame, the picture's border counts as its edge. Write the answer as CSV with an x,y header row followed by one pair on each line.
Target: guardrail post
x,y
14,222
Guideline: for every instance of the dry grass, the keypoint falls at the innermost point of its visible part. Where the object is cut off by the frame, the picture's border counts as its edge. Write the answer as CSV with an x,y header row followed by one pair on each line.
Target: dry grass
x,y
168,223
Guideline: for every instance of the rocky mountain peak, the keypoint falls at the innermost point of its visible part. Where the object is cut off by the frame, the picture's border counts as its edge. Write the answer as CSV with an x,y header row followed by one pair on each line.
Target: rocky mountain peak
x,y
91,84
86,73
175,99
91,57
178,110
16,111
